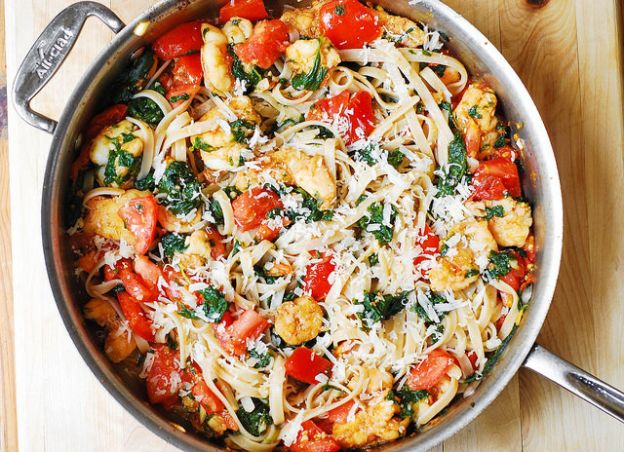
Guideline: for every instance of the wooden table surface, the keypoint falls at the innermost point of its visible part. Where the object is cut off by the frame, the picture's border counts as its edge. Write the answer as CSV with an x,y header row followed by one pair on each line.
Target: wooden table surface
x,y
567,52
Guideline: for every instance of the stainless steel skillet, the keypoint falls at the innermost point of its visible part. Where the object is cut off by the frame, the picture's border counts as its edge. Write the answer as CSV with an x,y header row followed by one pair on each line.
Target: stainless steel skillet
x,y
541,185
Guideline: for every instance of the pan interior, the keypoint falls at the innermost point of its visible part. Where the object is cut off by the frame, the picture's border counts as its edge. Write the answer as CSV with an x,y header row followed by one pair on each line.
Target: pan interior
x,y
540,183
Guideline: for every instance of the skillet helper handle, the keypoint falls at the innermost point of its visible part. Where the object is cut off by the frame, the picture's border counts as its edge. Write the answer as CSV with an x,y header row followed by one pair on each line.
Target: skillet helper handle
x,y
577,381
48,53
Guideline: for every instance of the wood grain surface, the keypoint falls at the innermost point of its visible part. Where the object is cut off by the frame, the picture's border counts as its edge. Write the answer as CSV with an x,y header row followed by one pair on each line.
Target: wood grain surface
x,y
569,55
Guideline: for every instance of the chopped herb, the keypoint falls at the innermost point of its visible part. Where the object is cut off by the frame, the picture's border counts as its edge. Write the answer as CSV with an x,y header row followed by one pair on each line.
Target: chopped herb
x,y
457,167
434,298
375,216
474,113
147,183
395,158
373,259
439,69
472,272
173,243
264,359
313,79
201,145
186,312
289,296
182,190
157,86
261,273
250,75
407,398
214,305
367,153
340,11
500,141
242,130
426,52
146,110
310,209
496,211
174,99
236,248
378,307
500,264
258,420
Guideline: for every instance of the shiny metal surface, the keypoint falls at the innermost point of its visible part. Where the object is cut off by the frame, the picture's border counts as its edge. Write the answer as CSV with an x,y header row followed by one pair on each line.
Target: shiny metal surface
x,y
541,185
577,381
48,54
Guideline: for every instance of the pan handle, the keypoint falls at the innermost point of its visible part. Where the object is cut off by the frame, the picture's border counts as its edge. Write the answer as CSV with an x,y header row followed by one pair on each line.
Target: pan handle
x,y
48,54
577,381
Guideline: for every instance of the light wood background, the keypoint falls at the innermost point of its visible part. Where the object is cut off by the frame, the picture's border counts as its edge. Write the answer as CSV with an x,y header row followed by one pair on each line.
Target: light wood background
x,y
569,54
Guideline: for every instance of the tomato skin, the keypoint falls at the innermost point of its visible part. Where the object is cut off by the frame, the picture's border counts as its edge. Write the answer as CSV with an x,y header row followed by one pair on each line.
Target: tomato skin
x,y
188,71
134,284
211,403
233,336
357,109
89,261
430,244
139,322
140,216
161,387
356,26
316,279
112,115
430,371
314,439
265,45
181,40
176,287
252,207
148,270
217,246
247,9
304,365
486,185
337,415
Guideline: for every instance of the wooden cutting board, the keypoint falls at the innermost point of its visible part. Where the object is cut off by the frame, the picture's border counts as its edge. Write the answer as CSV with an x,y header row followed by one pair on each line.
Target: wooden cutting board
x,y
569,54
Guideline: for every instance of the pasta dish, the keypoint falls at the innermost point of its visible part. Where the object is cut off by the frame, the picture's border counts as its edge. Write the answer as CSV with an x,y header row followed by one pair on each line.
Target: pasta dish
x,y
305,232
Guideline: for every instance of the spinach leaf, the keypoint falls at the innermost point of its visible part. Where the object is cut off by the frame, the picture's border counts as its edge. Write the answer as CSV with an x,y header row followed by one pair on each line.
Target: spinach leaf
x,y
173,243
500,141
214,305
256,421
310,209
378,307
201,145
216,211
147,183
395,158
182,190
407,398
121,165
250,75
242,130
313,79
434,298
264,359
457,166
188,313
492,358
374,216
500,264
134,78
496,211
146,110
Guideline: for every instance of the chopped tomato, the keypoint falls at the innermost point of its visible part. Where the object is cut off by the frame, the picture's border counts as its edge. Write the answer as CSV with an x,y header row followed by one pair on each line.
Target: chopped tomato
x,y
112,115
430,244
316,279
516,275
164,378
265,232
217,246
233,337
140,216
472,139
491,175
337,415
206,398
312,439
500,321
138,321
472,357
176,287
505,152
247,9
529,249
253,206
148,270
429,372
304,365
348,24
182,40
265,45
357,109
185,79
134,284
230,423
